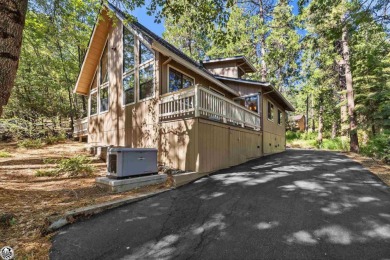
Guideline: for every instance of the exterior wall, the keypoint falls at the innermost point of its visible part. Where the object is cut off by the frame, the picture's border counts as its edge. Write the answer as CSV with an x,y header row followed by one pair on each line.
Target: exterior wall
x,y
133,125
198,79
226,69
274,134
205,146
194,144
242,88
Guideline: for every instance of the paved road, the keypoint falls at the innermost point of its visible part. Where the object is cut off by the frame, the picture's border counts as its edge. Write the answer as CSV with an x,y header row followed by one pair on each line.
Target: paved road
x,y
296,205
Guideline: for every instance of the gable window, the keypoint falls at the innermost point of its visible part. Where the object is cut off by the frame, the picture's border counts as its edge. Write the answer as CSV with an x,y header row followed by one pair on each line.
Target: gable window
x,y
145,54
280,117
103,88
146,81
93,96
128,50
146,72
104,67
128,67
178,80
270,111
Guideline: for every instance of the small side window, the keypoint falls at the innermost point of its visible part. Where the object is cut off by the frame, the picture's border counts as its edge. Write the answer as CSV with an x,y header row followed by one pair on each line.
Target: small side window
x,y
280,117
270,111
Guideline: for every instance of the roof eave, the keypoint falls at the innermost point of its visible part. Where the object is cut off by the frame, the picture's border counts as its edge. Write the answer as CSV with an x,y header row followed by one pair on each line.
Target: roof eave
x,y
175,57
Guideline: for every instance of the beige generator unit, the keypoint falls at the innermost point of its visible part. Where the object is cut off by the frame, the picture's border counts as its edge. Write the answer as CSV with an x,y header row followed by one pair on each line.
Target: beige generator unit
x,y
128,162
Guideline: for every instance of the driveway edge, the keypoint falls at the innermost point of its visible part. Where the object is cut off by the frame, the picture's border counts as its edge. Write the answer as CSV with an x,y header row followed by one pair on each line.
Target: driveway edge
x,y
75,215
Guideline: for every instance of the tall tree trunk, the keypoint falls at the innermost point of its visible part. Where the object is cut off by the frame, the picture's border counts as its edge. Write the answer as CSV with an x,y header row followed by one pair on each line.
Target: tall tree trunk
x,y
344,115
263,64
354,142
307,114
334,129
12,18
313,125
262,43
320,121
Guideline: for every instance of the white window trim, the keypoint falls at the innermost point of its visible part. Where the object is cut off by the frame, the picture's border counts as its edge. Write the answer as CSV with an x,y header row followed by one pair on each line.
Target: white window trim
x,y
273,110
182,72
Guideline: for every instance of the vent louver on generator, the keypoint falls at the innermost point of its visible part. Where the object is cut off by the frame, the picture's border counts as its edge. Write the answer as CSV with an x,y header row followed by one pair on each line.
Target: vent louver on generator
x,y
127,162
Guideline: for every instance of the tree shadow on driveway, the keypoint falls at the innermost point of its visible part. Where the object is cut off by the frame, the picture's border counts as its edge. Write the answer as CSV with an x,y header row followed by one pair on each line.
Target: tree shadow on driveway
x,y
299,204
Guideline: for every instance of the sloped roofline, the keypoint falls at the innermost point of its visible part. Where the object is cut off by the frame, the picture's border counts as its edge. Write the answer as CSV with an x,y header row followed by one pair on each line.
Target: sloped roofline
x,y
262,84
240,57
168,49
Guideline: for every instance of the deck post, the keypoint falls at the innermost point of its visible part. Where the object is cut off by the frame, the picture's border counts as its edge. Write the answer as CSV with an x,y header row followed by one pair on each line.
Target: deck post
x,y
197,103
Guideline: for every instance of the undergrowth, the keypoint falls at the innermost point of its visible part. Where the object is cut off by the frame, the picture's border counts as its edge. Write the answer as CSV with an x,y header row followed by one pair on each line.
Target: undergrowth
x,y
77,166
4,154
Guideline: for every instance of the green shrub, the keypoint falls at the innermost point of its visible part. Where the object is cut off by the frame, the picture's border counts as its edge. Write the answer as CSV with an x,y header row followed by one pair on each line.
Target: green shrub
x,y
337,144
76,166
309,136
55,139
290,135
46,173
31,143
73,167
5,154
378,147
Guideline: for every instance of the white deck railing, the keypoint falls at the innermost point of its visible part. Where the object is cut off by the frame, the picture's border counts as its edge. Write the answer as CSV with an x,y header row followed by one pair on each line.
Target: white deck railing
x,y
80,127
201,102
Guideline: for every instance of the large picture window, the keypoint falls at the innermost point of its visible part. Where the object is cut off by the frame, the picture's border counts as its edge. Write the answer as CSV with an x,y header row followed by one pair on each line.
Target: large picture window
x,y
270,111
145,54
103,87
178,80
146,82
128,50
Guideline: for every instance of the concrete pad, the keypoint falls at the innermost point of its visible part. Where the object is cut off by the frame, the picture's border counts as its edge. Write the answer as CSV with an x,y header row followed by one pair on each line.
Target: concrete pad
x,y
187,177
122,185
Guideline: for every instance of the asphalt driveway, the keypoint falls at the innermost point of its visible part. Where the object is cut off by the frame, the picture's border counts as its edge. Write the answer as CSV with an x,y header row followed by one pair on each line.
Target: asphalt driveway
x,y
299,204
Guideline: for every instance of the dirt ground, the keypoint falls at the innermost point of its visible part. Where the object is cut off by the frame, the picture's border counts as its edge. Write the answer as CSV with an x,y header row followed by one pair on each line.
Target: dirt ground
x,y
31,200
379,168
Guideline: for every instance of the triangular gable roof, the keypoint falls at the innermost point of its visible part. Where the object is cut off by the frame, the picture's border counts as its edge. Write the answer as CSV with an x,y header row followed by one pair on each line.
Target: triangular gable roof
x,y
156,42
92,57
97,43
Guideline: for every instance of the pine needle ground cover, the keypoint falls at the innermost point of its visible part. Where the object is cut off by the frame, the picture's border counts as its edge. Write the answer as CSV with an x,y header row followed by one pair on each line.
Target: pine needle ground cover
x,y
28,200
